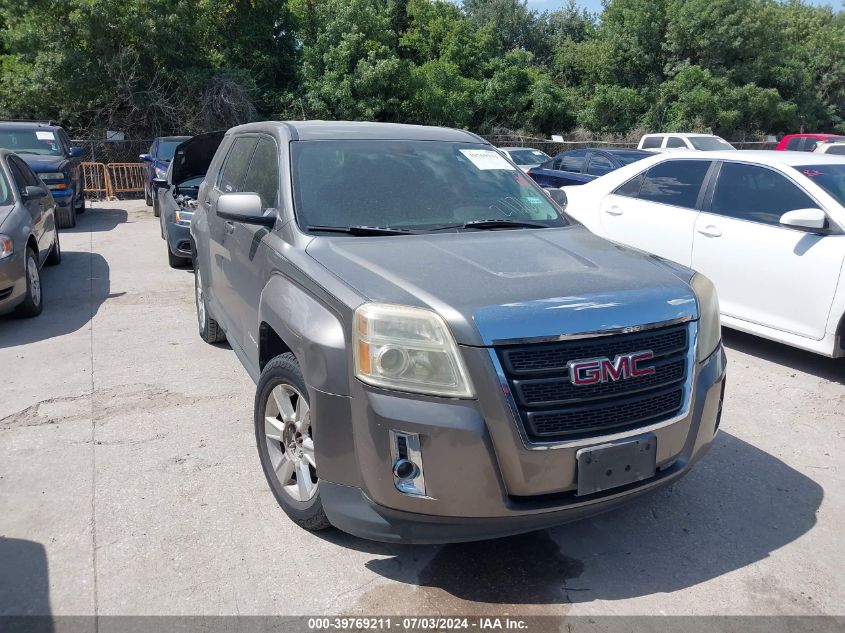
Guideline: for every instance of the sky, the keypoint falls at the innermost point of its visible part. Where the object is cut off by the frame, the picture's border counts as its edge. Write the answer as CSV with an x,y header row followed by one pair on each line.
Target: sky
x,y
595,5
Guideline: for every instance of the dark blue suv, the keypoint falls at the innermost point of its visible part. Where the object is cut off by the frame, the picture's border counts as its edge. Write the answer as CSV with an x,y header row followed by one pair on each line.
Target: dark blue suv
x,y
157,162
46,148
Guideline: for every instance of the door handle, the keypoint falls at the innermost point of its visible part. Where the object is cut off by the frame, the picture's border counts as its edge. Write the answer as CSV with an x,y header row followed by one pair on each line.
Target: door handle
x,y
230,227
614,210
710,231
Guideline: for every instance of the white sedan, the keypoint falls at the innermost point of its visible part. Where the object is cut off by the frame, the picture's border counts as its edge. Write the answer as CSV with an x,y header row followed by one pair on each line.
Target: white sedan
x,y
768,228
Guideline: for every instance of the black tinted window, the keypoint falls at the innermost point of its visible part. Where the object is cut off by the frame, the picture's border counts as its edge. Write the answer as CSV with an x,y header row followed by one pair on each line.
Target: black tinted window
x,y
263,175
749,192
236,164
652,142
571,161
675,182
23,175
630,189
794,144
599,165
839,148
675,141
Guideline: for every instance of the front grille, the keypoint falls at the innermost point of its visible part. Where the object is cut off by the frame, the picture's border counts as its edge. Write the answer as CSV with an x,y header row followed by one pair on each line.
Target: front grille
x,y
5,292
552,408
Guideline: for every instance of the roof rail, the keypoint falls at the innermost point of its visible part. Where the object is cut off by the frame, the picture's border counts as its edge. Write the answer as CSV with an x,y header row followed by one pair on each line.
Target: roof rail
x,y
41,122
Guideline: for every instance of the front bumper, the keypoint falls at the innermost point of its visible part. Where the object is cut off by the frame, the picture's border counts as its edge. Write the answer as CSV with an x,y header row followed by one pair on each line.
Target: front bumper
x,y
179,239
482,481
12,282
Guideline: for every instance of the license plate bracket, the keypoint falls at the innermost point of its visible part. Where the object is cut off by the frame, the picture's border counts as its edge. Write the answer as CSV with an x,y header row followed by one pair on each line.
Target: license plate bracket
x,y
616,464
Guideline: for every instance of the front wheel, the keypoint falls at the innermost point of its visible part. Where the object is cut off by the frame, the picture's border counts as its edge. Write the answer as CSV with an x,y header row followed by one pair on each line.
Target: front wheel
x,y
32,303
147,197
210,331
284,436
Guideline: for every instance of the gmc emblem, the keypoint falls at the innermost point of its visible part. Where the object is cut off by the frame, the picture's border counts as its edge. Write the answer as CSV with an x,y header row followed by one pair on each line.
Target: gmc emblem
x,y
599,370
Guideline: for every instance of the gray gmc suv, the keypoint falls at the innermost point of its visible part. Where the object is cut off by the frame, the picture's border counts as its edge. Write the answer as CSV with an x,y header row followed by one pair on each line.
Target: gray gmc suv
x,y
440,353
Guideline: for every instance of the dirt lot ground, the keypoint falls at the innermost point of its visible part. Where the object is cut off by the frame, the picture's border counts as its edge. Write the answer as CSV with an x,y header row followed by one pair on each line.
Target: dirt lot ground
x,y
130,483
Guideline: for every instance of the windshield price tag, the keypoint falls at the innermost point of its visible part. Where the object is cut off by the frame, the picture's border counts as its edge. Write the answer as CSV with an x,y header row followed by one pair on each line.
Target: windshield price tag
x,y
45,136
486,159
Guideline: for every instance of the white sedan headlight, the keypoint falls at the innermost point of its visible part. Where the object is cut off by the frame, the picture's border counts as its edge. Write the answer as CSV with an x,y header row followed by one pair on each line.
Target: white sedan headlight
x,y
409,349
709,323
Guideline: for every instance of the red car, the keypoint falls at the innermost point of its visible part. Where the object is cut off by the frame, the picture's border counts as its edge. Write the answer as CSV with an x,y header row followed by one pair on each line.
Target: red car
x,y
804,142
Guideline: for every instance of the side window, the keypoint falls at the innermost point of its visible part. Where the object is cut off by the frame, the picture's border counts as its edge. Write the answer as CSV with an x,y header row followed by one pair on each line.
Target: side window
x,y
599,165
65,140
652,142
675,141
839,148
236,164
27,176
17,176
794,144
263,174
675,182
573,161
810,144
758,194
630,189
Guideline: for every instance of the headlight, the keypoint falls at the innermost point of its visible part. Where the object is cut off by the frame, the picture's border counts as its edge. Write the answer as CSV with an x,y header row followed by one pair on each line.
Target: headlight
x,y
51,175
183,217
5,246
410,349
160,173
709,324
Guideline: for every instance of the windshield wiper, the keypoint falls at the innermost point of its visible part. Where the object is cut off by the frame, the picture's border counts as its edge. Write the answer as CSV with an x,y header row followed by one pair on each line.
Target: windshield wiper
x,y
360,230
493,224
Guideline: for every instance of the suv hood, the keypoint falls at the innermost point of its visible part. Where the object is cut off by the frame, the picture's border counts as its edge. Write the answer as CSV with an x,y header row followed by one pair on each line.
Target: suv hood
x,y
511,284
192,157
41,163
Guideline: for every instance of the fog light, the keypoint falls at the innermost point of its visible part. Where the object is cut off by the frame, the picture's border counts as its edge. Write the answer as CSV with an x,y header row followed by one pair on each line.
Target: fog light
x,y
407,463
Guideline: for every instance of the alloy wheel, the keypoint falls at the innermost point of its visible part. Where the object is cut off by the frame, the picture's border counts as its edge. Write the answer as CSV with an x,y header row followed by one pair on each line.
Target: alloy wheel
x,y
34,280
287,429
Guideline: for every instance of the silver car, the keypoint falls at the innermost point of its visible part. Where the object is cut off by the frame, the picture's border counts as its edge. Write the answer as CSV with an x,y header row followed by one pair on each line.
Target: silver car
x,y
28,236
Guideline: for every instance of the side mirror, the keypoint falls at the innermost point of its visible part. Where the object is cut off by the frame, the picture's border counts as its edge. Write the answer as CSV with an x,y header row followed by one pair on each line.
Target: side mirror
x,y
76,152
34,193
559,196
161,183
244,207
805,219
145,158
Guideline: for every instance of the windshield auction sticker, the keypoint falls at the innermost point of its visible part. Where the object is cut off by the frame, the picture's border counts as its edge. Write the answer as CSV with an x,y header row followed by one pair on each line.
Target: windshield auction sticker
x,y
45,136
486,159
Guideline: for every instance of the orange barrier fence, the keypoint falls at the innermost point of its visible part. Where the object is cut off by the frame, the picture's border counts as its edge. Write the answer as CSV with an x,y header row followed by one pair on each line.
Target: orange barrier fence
x,y
126,177
96,179
110,179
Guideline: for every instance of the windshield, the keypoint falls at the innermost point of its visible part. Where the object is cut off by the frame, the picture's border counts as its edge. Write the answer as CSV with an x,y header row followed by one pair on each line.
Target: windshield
x,y
528,156
5,191
31,142
411,185
166,149
831,178
709,143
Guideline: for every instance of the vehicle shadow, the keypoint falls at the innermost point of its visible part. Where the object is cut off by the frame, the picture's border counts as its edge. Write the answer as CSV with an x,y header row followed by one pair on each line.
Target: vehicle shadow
x,y
73,292
736,507
832,369
24,587
99,219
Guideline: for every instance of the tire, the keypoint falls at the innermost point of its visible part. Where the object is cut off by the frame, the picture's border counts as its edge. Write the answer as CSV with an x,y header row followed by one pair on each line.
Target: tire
x,y
174,260
209,329
147,196
156,210
82,208
55,256
286,447
65,217
33,303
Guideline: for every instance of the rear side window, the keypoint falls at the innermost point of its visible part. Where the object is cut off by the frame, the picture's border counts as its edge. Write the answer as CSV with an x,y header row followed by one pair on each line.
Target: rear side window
x,y
599,165
571,161
794,144
757,194
839,148
263,174
675,141
652,142
675,182
236,164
